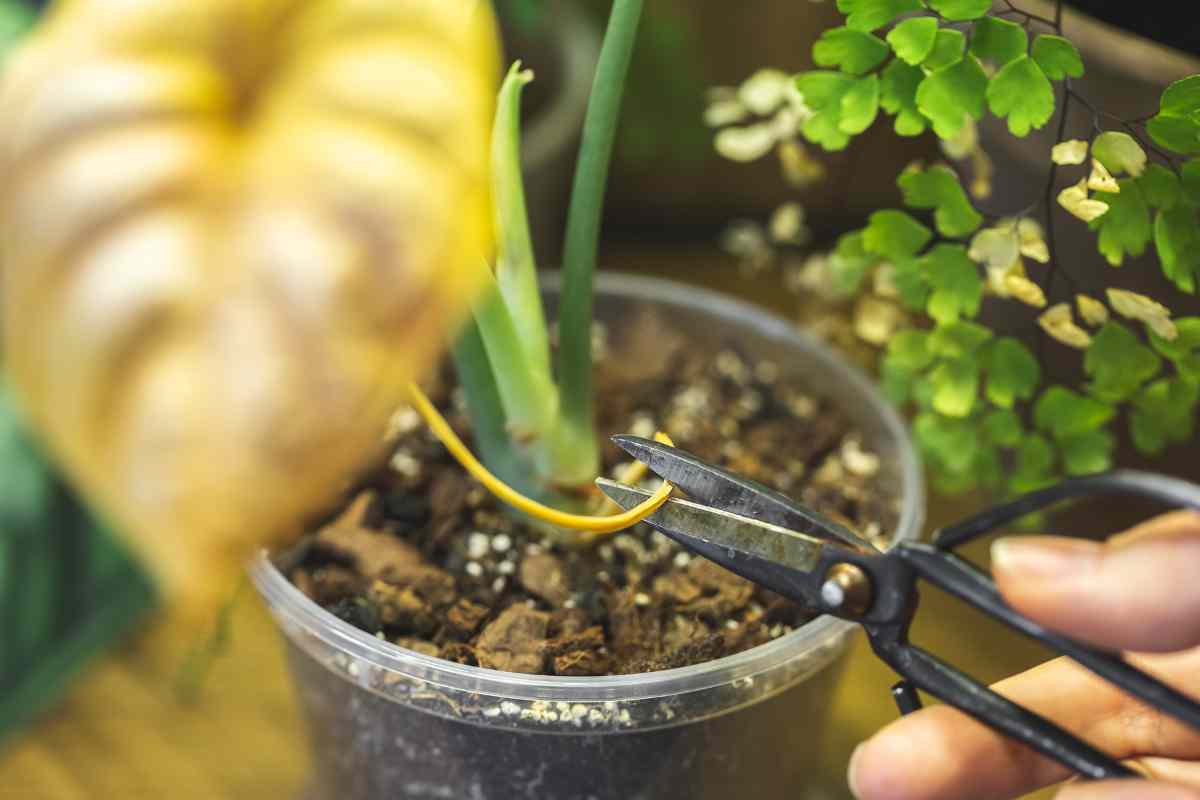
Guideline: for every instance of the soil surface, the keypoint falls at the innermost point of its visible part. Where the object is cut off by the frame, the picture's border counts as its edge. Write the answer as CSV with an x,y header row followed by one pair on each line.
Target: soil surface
x,y
425,558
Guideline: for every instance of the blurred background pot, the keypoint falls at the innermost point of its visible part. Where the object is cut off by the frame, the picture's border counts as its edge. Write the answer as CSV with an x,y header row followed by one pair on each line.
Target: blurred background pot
x,y
388,722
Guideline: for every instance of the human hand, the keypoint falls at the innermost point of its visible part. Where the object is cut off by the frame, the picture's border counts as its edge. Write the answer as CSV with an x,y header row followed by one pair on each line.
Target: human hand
x,y
1139,592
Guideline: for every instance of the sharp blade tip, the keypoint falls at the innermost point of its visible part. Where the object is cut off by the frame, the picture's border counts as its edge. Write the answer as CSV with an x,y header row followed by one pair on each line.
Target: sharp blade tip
x,y
618,493
638,447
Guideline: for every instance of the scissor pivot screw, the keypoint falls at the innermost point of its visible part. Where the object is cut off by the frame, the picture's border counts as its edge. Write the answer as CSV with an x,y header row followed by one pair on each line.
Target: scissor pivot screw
x,y
847,589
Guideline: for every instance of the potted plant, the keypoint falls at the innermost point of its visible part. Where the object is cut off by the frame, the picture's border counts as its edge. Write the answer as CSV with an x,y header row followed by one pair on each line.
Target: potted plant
x,y
444,646
1022,358
264,202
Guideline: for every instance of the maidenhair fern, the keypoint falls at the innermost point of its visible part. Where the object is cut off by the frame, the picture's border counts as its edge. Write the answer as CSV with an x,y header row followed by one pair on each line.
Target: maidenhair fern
x,y
985,411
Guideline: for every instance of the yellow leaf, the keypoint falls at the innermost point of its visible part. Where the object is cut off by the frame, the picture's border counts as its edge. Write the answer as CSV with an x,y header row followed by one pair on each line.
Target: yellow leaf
x,y
1029,233
1057,322
233,232
1093,311
1076,201
1025,290
800,169
1101,180
765,91
724,112
995,248
1069,153
745,144
1136,306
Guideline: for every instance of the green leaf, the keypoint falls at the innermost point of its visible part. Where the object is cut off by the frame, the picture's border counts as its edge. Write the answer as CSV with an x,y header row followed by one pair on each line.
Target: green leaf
x,y
938,188
1034,465
998,41
1177,124
958,339
853,51
1177,240
1118,363
1119,153
823,92
948,95
922,392
911,282
516,269
1057,57
1160,187
895,381
1125,227
1182,97
955,386
1164,412
867,15
1186,341
1189,177
898,96
1013,372
946,442
1063,413
1003,427
15,20
894,234
948,47
1021,92
860,104
912,39
910,349
849,262
988,469
1087,453
957,287
960,10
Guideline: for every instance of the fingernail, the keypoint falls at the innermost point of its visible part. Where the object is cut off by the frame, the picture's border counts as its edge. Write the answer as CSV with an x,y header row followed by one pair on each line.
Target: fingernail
x,y
851,772
1038,557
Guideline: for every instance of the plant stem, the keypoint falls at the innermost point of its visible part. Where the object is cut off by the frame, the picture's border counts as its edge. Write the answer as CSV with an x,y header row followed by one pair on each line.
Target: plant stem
x,y
529,398
516,271
488,420
578,439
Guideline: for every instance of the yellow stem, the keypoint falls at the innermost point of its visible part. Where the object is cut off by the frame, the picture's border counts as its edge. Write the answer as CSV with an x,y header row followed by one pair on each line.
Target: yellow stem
x,y
606,524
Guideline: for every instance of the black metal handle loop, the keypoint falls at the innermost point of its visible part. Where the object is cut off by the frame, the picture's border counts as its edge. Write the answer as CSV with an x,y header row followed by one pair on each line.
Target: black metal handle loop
x,y
1170,491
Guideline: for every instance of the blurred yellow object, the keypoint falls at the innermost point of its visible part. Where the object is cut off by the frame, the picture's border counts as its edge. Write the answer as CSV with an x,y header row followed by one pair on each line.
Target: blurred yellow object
x,y
232,232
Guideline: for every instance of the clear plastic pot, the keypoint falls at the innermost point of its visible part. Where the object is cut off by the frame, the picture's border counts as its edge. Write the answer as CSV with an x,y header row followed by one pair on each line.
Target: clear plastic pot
x,y
388,723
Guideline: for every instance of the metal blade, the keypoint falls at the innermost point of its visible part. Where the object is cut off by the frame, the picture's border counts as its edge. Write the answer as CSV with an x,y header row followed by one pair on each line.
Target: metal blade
x,y
777,558
718,488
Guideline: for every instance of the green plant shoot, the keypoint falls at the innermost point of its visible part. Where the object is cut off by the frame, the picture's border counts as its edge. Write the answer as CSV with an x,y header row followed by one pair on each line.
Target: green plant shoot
x,y
537,435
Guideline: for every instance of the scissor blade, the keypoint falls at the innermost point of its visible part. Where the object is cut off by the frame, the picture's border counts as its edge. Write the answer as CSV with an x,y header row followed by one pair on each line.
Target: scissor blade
x,y
768,555
718,488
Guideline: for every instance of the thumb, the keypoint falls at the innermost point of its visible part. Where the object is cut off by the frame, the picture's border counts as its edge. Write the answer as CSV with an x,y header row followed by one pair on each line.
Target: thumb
x,y
1138,591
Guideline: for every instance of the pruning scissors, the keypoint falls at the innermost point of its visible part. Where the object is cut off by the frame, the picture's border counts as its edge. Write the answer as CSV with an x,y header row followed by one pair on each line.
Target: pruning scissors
x,y
800,554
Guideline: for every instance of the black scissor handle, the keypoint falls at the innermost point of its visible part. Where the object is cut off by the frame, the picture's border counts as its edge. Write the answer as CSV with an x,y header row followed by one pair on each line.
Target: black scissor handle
x,y
926,671
967,582
1170,491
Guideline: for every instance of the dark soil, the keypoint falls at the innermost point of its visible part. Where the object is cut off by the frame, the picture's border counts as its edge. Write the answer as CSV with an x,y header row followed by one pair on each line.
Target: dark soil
x,y
425,558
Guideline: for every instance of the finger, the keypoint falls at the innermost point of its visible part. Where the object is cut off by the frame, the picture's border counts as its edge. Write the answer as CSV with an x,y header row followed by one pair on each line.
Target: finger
x,y
1127,790
940,753
1136,592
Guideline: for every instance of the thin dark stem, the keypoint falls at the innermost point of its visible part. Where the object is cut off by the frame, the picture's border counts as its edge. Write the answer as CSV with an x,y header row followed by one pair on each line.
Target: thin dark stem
x,y
1048,192
1055,23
